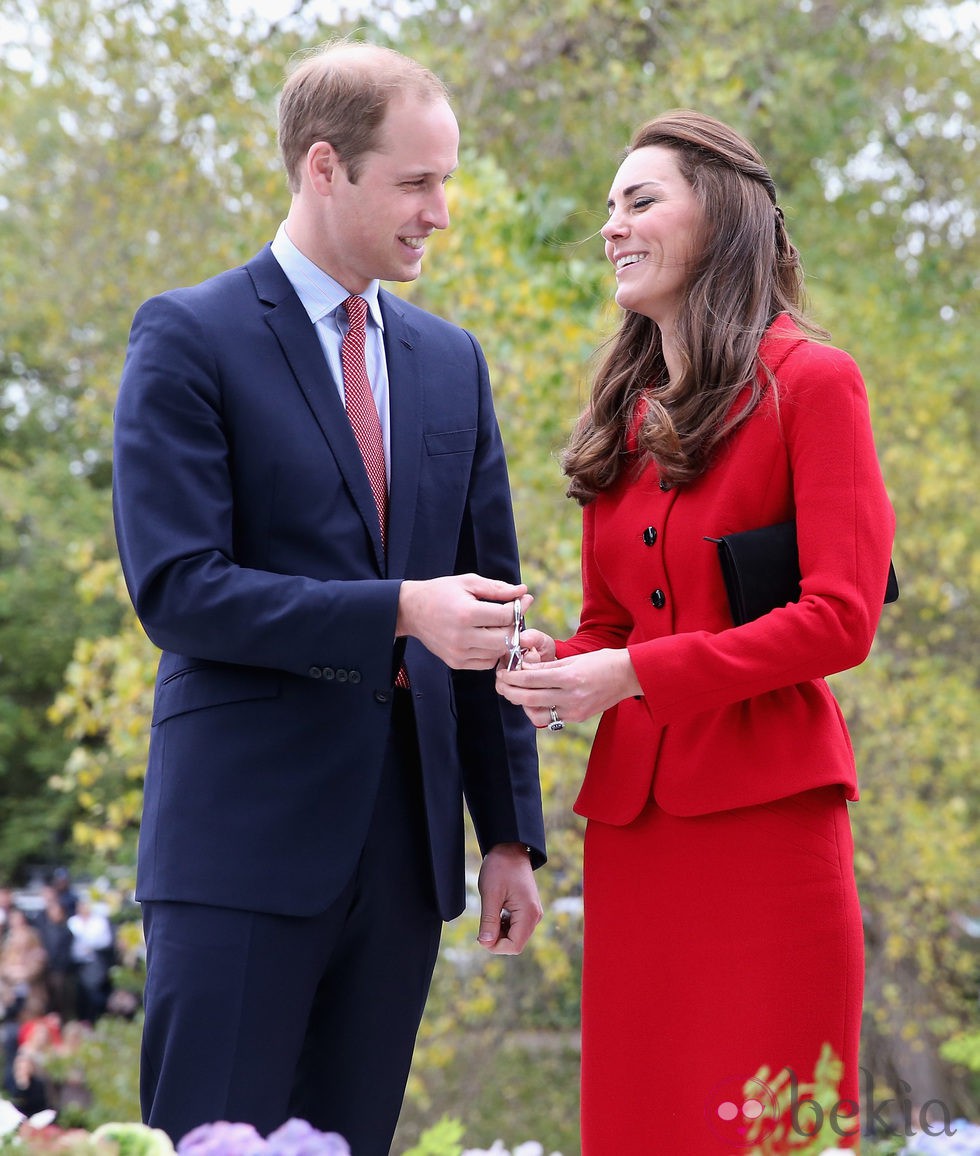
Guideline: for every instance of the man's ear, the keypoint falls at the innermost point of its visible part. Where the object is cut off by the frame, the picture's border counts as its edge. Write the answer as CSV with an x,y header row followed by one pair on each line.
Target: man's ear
x,y
322,163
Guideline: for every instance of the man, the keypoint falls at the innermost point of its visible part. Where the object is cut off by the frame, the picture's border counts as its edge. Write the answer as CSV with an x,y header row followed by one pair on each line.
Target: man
x,y
302,834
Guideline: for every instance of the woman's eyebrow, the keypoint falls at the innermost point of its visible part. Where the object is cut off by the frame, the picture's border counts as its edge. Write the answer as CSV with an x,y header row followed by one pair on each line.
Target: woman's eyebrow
x,y
631,189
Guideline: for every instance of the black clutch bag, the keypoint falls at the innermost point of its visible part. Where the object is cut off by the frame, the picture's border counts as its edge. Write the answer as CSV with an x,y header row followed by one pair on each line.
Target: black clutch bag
x,y
761,569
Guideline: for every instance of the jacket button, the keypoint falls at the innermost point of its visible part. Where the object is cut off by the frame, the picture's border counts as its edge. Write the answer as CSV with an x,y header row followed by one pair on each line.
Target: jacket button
x,y
658,598
649,535
381,696
329,673
341,675
664,485
354,676
315,672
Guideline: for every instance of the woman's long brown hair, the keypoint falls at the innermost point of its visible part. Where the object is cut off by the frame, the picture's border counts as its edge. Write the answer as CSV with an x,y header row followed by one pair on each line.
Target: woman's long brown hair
x,y
747,271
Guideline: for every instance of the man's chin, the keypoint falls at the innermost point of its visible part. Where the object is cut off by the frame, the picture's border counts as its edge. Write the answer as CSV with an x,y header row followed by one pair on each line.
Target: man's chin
x,y
407,273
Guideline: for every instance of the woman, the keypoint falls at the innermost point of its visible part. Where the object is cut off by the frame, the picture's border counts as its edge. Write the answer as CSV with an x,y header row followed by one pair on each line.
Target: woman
x,y
723,943
23,964
24,1087
23,986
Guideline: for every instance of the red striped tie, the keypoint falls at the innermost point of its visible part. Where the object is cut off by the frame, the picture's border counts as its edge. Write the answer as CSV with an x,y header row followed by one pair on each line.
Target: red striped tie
x,y
363,415
361,410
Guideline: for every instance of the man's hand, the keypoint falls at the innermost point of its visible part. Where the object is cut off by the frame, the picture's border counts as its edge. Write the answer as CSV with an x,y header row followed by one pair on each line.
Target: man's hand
x,y
511,908
464,619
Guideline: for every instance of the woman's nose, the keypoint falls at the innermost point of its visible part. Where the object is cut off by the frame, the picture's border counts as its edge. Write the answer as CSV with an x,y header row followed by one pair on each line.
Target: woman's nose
x,y
614,227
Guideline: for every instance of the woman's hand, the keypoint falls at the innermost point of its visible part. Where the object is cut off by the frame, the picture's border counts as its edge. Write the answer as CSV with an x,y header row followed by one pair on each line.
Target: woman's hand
x,y
576,688
536,646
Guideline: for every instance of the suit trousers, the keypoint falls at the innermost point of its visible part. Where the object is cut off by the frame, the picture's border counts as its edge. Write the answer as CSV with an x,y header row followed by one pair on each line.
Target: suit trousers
x,y
257,1017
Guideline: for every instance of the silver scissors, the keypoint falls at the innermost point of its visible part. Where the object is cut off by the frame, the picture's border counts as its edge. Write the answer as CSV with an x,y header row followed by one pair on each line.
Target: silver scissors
x,y
515,656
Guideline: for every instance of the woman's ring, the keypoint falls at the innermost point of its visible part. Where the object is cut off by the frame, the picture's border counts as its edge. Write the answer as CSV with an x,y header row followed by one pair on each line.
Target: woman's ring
x,y
556,723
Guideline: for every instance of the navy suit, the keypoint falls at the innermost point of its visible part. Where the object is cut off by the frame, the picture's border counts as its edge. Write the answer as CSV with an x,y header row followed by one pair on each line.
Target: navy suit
x,y
250,543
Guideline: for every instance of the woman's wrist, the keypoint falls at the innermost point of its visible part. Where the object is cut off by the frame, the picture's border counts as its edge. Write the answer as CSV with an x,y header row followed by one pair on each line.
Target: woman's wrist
x,y
630,679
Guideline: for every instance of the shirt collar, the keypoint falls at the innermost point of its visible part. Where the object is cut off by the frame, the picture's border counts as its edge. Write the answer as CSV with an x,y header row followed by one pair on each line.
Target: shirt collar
x,y
318,292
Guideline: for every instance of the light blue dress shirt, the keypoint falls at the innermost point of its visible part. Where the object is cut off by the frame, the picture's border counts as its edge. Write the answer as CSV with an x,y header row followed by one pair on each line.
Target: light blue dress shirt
x,y
323,299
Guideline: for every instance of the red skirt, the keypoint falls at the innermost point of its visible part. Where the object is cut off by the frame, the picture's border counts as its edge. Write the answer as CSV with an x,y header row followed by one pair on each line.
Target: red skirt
x,y
723,956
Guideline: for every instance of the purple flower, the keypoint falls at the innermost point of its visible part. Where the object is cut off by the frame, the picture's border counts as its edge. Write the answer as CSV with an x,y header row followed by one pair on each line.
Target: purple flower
x,y
223,1139
294,1138
298,1138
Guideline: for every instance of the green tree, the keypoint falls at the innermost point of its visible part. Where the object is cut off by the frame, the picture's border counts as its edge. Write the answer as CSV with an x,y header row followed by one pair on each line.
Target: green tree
x,y
116,181
133,162
865,113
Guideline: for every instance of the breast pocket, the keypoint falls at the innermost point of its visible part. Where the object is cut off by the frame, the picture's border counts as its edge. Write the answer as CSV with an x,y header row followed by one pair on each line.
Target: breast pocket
x,y
444,483
454,441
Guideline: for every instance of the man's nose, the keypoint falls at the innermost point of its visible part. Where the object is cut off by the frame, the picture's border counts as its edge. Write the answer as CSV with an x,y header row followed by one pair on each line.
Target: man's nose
x,y
437,211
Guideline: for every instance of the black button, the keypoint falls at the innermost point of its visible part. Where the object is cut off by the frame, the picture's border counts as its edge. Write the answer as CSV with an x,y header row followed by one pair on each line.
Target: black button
x,y
650,535
658,598
315,672
341,675
382,696
354,676
328,673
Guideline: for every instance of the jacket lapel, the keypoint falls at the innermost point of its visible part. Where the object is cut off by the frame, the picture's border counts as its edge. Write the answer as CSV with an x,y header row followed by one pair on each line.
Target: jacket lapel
x,y
301,348
405,407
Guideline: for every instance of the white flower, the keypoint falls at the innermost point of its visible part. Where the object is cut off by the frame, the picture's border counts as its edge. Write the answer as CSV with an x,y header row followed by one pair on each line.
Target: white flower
x,y
528,1148
10,1118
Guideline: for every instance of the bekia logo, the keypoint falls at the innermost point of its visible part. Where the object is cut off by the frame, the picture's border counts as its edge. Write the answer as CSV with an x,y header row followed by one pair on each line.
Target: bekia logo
x,y
745,1112
742,1112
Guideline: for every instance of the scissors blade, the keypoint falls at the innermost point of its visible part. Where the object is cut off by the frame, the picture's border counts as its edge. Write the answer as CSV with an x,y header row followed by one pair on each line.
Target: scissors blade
x,y
516,659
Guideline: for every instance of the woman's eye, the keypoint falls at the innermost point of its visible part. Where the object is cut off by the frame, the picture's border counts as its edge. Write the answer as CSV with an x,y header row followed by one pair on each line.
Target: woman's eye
x,y
642,202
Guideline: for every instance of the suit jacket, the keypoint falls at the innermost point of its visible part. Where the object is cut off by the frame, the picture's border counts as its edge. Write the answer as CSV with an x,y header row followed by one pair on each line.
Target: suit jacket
x,y
735,716
250,543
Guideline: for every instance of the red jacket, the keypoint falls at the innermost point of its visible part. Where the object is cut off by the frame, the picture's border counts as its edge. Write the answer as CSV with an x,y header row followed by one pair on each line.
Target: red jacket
x,y
736,716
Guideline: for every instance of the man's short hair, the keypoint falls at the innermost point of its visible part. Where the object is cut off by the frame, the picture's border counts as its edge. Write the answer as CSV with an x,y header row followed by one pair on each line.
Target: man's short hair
x,y
340,93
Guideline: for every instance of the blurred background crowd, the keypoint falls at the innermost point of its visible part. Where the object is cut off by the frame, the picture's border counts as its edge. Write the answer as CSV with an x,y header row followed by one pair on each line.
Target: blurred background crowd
x,y
57,952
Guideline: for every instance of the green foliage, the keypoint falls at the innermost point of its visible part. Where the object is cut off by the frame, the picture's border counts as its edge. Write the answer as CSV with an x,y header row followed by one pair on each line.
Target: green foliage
x,y
134,1139
508,1088
444,1138
47,517
131,162
964,1049
119,168
785,1136
106,1063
